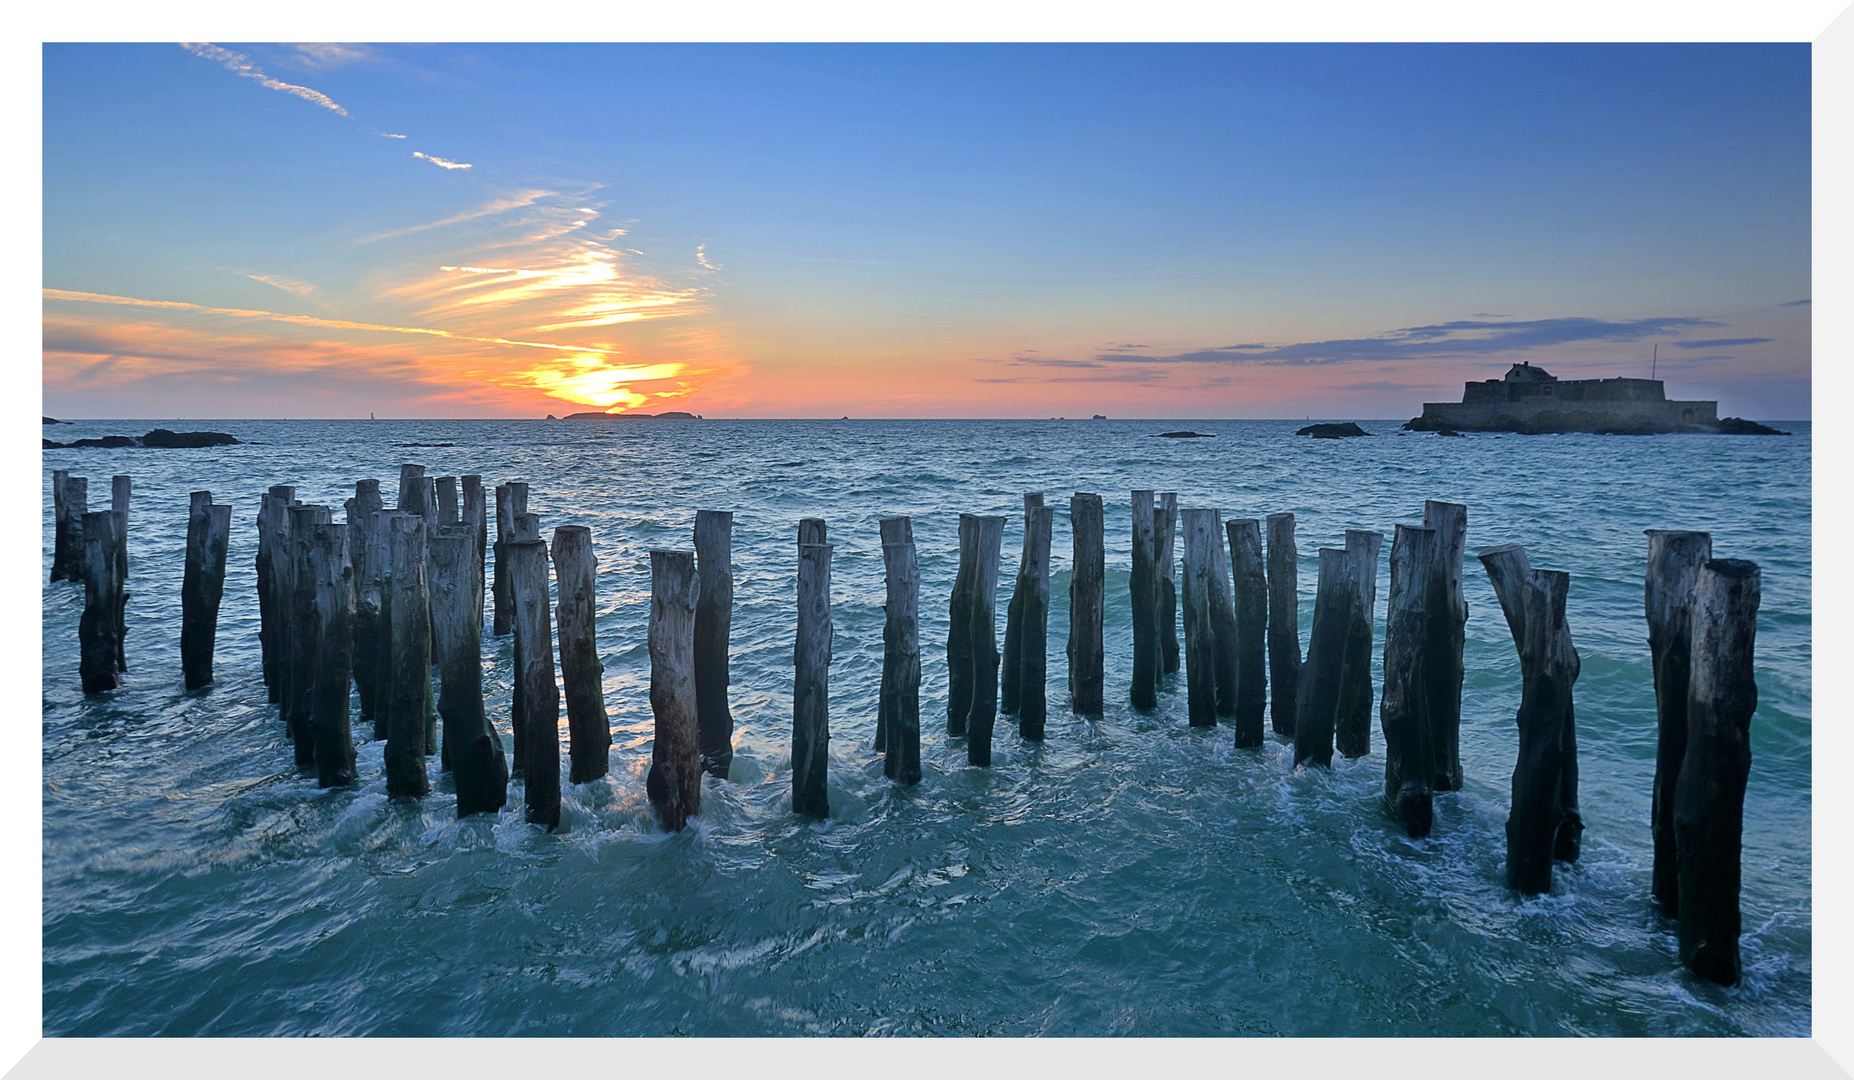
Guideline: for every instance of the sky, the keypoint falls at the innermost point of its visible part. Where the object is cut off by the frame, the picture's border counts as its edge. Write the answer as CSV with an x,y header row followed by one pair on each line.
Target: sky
x,y
238,230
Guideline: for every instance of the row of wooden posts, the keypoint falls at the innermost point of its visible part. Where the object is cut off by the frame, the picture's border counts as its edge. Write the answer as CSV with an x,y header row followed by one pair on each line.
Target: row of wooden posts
x,y
381,599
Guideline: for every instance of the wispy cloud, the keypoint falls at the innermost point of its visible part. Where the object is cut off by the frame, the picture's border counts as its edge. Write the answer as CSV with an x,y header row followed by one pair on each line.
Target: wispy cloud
x,y
442,163
388,135
300,320
331,54
241,65
1720,342
1797,303
1466,337
295,288
493,206
701,256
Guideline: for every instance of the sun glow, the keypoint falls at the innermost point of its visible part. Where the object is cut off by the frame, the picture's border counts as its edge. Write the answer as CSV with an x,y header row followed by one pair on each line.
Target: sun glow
x,y
591,380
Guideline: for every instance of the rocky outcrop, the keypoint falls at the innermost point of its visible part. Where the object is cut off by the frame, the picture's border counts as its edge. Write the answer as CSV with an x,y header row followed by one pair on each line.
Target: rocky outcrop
x,y
632,416
158,439
1347,430
1183,435
1733,425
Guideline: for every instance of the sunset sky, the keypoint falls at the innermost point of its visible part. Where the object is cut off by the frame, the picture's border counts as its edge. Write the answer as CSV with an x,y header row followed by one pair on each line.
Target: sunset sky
x,y
242,230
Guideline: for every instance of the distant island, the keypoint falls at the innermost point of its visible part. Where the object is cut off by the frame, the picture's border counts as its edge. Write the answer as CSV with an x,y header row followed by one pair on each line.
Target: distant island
x,y
629,416
158,439
1532,401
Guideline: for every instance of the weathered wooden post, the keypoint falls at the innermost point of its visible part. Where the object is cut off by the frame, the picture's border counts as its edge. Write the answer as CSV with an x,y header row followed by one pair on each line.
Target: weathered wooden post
x,y
412,491
984,638
1316,700
1541,818
1200,643
202,585
368,553
899,709
959,628
1008,682
1406,712
1283,622
67,530
475,513
511,503
1143,586
1087,583
1448,633
96,627
445,490
1248,626
119,505
304,634
1165,524
1352,725
1709,802
674,783
410,627
534,651
811,531
333,577
1033,642
273,524
1674,563
714,617
811,684
479,769
589,731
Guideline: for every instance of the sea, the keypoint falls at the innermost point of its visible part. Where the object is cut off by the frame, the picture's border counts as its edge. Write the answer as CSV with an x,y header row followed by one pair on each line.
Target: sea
x,y
1129,875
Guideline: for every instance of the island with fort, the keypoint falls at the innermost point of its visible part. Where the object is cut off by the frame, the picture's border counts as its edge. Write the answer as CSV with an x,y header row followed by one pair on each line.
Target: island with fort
x,y
1531,401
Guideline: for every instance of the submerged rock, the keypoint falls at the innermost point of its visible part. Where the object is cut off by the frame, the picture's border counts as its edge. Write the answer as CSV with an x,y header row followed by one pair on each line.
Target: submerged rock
x,y
1347,430
1183,435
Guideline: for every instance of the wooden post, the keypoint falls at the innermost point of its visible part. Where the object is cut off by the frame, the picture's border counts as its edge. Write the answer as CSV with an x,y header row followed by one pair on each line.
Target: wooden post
x,y
1143,586
1200,553
959,628
1674,563
898,712
412,490
410,626
511,503
1248,626
273,524
119,505
445,490
1033,642
1316,700
811,531
1352,725
1533,602
1283,622
1086,649
674,784
811,683
1165,523
1406,712
984,638
202,585
474,512
333,577
304,635
96,627
368,554
67,530
479,769
1448,632
1709,801
714,616
534,651
589,731
1009,685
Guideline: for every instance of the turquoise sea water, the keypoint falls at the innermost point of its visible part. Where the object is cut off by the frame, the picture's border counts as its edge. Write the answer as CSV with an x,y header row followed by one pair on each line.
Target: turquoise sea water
x,y
1128,876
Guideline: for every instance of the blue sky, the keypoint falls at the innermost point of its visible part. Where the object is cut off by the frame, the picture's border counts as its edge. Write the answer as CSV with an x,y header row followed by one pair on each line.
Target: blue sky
x,y
917,230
